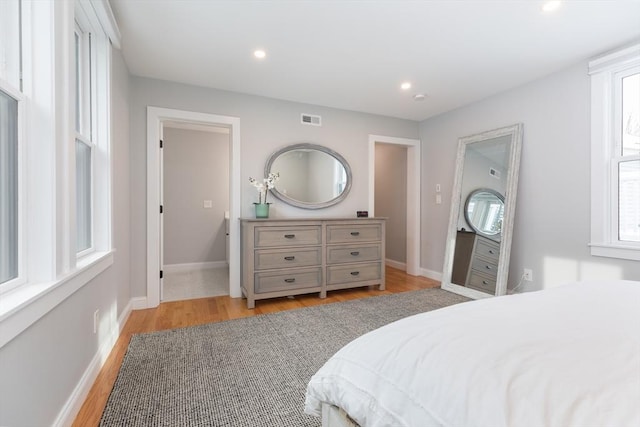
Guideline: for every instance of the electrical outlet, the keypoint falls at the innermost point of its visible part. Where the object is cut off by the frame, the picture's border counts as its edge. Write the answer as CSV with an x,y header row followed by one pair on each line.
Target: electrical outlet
x,y
528,275
95,320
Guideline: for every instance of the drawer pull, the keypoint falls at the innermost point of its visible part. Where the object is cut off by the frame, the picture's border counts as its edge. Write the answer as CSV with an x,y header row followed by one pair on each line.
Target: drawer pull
x,y
484,282
289,258
491,251
355,233
289,236
355,273
290,280
356,253
488,267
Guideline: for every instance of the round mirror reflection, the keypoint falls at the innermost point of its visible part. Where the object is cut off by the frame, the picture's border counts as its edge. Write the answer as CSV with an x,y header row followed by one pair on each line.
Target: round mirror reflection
x,y
484,212
311,176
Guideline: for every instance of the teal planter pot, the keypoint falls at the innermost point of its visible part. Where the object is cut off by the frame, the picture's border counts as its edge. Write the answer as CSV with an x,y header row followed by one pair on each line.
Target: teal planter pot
x,y
262,210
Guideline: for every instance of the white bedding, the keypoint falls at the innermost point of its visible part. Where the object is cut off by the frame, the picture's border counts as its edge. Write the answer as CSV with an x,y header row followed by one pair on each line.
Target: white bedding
x,y
568,356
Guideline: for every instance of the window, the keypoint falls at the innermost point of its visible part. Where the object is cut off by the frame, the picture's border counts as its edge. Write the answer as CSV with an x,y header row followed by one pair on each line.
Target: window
x,y
10,99
84,138
615,154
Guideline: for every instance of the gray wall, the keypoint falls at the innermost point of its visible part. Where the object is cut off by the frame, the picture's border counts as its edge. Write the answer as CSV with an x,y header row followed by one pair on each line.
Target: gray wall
x,y
40,368
391,197
552,224
195,169
266,125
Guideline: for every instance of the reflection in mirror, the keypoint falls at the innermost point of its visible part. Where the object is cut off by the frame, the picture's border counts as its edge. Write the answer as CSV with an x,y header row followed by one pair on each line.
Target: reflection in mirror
x,y
311,176
484,212
482,209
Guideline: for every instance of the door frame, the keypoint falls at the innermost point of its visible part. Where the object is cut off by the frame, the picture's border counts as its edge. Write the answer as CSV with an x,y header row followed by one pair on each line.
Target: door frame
x,y
413,193
155,117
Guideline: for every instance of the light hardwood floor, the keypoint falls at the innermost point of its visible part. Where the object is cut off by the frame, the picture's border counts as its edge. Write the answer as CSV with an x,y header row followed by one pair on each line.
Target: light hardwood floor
x,y
179,314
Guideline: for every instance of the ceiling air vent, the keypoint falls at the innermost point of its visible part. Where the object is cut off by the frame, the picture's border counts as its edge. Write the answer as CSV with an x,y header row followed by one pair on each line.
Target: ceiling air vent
x,y
310,119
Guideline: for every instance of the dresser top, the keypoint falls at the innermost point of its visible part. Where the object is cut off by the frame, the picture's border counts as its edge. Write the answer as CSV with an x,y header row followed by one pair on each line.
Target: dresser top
x,y
315,219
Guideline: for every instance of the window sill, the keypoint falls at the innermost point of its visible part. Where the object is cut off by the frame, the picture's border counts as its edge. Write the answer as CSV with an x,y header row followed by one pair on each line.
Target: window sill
x,y
25,305
615,251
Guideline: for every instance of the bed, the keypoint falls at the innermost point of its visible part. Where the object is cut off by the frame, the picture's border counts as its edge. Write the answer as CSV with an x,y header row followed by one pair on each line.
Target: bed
x,y
567,356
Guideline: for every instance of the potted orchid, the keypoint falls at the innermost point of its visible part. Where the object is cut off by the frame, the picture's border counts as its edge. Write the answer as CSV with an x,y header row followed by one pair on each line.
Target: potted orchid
x,y
263,187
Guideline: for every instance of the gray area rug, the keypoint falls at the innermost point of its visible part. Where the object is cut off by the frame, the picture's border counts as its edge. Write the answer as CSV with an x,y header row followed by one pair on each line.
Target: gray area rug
x,y
247,372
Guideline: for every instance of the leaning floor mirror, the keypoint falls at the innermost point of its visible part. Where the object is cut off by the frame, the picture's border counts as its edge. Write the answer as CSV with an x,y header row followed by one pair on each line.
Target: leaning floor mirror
x,y
482,213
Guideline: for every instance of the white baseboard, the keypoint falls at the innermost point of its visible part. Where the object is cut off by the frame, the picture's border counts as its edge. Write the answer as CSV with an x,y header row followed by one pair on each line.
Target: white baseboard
x,y
435,275
71,408
139,303
176,268
396,264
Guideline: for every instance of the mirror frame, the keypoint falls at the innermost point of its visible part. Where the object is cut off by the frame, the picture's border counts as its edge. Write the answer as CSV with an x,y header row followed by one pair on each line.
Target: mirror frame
x,y
511,190
308,205
466,210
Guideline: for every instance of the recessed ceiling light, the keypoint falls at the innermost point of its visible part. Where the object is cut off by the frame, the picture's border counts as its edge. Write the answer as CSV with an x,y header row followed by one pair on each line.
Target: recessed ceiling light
x,y
405,86
550,6
260,54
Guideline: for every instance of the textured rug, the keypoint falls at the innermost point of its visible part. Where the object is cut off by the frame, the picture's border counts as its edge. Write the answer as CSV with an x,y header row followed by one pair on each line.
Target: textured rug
x,y
247,372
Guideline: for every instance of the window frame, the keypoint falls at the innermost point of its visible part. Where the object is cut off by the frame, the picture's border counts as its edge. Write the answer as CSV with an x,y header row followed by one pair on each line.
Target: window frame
x,y
606,74
52,269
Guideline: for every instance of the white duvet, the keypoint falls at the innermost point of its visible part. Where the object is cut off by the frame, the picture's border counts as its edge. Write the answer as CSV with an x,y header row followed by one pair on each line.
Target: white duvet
x,y
568,356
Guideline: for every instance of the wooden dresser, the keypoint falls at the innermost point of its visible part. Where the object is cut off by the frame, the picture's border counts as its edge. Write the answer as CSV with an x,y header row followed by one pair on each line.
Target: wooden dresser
x,y
475,262
282,257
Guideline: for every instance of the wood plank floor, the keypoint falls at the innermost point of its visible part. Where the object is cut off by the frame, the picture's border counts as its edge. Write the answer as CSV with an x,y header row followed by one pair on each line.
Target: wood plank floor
x,y
179,314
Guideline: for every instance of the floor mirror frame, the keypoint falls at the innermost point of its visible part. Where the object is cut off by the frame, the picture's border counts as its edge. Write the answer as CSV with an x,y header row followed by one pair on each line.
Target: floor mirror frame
x,y
516,132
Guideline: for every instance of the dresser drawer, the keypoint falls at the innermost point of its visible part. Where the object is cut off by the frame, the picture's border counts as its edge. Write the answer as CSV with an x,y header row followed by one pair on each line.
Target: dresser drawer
x,y
294,279
354,233
488,268
353,253
488,249
353,273
284,258
287,236
482,283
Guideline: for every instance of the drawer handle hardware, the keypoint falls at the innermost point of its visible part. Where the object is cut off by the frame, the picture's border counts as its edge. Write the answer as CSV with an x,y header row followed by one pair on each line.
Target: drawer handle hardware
x,y
356,253
484,282
491,251
289,258
289,236
355,233
290,280
488,267
355,273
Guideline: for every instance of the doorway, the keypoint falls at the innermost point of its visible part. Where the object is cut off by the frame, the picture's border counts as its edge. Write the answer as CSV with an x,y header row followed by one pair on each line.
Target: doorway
x,y
195,201
156,119
412,147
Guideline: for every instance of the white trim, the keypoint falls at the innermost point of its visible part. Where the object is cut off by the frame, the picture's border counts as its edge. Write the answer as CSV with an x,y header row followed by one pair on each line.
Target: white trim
x,y
28,303
396,264
155,117
413,193
107,21
176,268
74,403
139,303
431,274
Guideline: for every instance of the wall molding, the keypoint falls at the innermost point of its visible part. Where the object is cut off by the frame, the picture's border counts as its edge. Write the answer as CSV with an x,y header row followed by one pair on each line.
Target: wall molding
x,y
431,274
176,268
396,264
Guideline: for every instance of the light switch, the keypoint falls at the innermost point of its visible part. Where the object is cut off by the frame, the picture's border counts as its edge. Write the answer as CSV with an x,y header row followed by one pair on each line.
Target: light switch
x,y
208,204
438,199
437,188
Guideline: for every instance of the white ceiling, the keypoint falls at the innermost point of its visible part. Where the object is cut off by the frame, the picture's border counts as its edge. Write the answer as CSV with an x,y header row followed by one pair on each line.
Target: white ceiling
x,y
354,55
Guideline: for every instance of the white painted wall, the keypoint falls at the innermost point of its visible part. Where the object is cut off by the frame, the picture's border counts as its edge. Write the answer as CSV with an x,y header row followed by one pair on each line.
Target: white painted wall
x,y
552,222
266,125
54,362
196,168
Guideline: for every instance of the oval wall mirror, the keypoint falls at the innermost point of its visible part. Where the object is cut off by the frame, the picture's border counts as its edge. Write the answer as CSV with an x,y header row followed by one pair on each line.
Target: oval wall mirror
x,y
484,212
311,176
